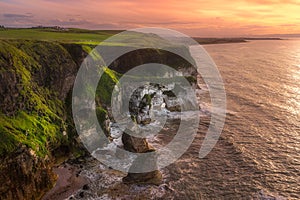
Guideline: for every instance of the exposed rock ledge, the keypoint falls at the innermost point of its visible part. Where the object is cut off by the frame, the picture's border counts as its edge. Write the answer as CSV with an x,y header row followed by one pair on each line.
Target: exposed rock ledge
x,y
24,175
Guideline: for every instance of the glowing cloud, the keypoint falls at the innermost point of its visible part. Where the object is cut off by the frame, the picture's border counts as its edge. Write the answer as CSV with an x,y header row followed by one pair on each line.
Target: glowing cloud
x,y
194,17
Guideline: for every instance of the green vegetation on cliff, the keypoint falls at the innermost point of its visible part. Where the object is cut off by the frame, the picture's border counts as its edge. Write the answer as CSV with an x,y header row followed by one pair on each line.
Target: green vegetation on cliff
x,y
31,111
36,77
106,86
36,80
32,130
38,68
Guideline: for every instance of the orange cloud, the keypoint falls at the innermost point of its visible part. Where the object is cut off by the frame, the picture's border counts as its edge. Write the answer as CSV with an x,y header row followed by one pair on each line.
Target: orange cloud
x,y
195,17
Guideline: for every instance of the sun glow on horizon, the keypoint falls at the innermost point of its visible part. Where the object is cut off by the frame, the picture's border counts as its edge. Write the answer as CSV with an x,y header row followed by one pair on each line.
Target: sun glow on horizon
x,y
194,17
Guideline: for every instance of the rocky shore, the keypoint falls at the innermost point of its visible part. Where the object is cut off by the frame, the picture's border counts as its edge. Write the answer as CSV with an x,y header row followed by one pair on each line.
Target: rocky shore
x,y
36,124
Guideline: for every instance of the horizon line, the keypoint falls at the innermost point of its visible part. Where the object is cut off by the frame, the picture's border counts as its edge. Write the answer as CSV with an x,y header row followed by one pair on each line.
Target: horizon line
x,y
120,30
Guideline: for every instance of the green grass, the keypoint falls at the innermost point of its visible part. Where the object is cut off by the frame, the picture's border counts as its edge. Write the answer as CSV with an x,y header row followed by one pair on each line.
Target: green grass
x,y
49,35
81,36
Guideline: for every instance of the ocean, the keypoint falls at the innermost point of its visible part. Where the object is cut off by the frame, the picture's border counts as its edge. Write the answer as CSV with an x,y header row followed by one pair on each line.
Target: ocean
x,y
262,83
258,153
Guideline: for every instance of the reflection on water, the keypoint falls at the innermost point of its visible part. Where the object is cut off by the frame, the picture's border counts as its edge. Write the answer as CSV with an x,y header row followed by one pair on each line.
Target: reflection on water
x,y
264,90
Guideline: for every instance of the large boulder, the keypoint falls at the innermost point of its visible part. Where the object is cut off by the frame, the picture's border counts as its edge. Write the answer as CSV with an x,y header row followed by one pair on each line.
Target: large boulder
x,y
135,144
141,163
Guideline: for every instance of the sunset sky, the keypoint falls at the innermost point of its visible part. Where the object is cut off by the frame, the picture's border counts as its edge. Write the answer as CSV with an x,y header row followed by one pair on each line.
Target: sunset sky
x,y
193,17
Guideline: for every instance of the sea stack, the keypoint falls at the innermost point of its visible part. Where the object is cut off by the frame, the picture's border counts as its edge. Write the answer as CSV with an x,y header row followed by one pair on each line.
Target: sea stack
x,y
139,110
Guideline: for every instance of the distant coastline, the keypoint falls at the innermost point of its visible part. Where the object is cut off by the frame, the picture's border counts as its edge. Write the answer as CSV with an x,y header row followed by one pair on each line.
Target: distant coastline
x,y
230,40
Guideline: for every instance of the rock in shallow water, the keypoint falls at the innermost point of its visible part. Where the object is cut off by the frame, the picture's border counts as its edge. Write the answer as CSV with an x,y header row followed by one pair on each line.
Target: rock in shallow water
x,y
153,177
135,144
141,163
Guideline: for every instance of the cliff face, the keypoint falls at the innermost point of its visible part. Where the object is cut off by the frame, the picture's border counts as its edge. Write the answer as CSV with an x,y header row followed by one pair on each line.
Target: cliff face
x,y
36,80
142,56
25,175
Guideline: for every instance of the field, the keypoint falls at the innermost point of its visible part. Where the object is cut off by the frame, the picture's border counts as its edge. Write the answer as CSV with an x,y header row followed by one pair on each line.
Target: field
x,y
79,36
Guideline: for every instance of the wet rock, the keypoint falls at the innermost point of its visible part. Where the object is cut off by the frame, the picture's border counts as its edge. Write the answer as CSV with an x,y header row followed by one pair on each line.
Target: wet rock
x,y
81,194
172,104
145,121
140,105
180,99
135,144
85,187
169,93
154,178
146,163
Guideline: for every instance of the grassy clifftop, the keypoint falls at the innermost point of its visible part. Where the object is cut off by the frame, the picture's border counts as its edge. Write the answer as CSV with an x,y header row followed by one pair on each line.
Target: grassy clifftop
x,y
67,36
